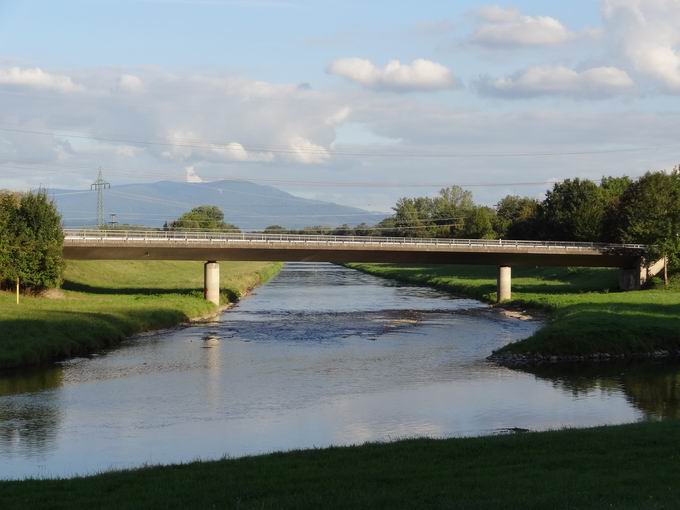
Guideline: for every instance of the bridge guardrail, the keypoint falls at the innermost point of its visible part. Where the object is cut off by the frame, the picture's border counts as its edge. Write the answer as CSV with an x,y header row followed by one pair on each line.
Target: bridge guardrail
x,y
186,237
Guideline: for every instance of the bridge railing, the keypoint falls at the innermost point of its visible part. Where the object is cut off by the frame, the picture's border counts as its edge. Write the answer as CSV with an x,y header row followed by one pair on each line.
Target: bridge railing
x,y
189,236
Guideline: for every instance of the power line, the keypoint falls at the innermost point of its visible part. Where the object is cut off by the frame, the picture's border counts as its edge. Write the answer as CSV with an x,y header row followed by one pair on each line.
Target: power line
x,y
327,152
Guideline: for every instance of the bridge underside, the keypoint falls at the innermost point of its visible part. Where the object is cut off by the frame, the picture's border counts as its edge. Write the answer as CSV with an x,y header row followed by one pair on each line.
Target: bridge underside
x,y
529,257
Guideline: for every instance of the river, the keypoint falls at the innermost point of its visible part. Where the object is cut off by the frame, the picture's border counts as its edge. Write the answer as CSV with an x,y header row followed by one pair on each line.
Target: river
x,y
321,355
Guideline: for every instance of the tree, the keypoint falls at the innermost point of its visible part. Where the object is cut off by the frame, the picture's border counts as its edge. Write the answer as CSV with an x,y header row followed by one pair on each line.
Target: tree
x,y
478,223
649,213
274,229
612,189
572,211
204,217
31,240
451,208
516,217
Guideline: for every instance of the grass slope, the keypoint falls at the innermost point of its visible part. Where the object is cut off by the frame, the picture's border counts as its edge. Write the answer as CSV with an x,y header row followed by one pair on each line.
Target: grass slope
x,y
587,315
106,301
624,467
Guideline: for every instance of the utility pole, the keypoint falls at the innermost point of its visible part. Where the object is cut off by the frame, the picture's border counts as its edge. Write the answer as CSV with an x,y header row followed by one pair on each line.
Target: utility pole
x,y
99,186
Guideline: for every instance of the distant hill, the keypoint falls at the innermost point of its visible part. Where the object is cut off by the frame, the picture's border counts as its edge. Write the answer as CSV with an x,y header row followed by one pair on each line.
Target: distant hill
x,y
245,204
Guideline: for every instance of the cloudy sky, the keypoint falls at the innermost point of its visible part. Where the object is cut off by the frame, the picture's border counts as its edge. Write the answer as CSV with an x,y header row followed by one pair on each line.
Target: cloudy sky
x,y
352,101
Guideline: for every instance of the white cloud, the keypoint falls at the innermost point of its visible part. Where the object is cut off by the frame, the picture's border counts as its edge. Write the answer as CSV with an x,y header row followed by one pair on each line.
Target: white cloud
x,y
36,78
420,74
234,151
307,152
131,83
648,35
500,27
596,82
191,175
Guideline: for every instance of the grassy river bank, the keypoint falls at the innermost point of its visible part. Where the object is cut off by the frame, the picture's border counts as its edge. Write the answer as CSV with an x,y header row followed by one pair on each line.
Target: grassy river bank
x,y
587,316
623,467
104,302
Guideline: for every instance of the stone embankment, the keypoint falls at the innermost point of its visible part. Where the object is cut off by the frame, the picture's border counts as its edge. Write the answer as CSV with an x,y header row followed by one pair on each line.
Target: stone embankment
x,y
509,359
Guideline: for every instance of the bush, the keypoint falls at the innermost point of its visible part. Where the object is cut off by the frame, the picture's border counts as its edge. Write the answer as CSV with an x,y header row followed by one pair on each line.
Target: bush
x,y
31,240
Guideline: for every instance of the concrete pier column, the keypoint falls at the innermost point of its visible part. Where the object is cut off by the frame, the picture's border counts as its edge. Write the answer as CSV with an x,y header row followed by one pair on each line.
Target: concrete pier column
x,y
211,282
630,279
504,289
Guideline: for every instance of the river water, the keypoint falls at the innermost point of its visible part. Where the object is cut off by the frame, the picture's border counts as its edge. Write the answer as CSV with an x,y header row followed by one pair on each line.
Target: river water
x,y
321,355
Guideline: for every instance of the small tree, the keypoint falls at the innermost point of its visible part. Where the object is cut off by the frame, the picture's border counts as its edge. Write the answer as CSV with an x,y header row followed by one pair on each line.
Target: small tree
x,y
204,217
31,240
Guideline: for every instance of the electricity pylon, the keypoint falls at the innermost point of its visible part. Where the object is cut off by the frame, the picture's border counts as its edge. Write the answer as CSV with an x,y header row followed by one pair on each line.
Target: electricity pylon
x,y
99,186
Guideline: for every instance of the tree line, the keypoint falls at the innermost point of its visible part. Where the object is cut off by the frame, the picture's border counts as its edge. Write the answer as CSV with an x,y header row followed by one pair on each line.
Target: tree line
x,y
645,210
31,241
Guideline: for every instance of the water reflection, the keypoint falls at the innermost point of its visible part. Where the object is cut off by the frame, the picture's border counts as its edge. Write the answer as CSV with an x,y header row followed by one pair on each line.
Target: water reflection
x,y
29,411
652,386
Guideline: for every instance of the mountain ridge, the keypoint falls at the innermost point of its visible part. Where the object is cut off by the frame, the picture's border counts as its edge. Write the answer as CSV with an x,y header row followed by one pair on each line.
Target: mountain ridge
x,y
246,204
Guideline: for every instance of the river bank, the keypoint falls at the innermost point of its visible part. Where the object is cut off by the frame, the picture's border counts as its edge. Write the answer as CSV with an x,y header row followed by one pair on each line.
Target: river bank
x,y
104,302
626,466
587,319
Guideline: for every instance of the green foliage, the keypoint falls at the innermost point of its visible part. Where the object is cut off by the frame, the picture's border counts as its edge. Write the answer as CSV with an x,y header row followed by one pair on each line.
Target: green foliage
x,y
442,216
516,217
572,211
650,214
479,223
274,229
203,217
31,240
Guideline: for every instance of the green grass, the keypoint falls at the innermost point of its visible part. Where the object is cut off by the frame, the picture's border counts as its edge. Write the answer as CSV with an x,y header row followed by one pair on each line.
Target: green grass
x,y
624,467
586,313
104,302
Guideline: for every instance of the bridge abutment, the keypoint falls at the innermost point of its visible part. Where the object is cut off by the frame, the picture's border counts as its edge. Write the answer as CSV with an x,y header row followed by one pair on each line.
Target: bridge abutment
x,y
211,282
504,287
630,279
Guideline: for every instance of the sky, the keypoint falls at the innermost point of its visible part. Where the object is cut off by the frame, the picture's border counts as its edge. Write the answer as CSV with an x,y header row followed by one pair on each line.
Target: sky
x,y
355,102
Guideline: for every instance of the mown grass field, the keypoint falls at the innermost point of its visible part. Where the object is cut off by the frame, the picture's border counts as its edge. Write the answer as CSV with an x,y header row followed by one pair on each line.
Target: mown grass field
x,y
624,467
587,314
105,301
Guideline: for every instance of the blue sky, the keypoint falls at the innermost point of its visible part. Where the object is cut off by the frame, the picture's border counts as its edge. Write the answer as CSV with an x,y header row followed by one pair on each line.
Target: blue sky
x,y
302,93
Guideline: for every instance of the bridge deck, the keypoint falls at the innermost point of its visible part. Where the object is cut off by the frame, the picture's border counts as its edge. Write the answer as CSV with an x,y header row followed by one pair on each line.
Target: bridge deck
x,y
204,245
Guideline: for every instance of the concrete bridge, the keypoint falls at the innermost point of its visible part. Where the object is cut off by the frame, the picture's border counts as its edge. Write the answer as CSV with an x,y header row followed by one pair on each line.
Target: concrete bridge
x,y
214,246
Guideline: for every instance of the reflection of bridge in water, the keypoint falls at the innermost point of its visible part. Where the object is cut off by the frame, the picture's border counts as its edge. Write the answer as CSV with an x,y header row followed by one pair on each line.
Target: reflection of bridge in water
x,y
214,246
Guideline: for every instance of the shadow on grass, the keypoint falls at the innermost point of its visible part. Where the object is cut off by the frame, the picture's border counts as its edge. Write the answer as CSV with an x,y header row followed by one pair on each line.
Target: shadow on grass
x,y
230,295
481,280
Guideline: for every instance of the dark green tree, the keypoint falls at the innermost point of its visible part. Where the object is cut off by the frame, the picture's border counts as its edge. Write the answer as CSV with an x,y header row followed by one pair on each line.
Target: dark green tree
x,y
649,213
572,211
612,189
478,223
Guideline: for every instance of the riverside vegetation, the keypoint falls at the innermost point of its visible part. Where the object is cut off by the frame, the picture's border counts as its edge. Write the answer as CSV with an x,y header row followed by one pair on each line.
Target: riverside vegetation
x,y
103,302
587,317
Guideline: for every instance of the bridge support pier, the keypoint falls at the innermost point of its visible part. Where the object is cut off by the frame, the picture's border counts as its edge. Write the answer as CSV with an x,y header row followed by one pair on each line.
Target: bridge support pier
x,y
211,282
630,279
504,287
